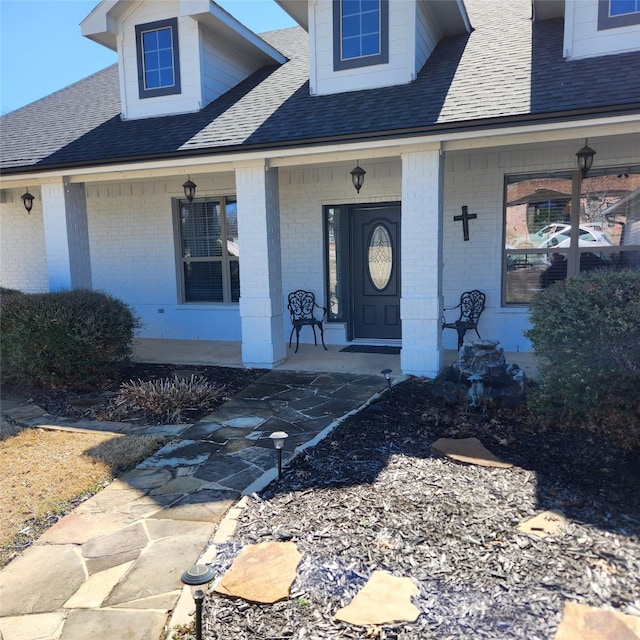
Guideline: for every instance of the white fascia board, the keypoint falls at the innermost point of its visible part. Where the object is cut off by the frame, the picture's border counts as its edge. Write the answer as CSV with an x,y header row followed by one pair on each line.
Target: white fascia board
x,y
101,24
298,10
483,138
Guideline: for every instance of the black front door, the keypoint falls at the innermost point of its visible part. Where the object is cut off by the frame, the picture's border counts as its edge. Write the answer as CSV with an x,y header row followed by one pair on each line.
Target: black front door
x,y
375,273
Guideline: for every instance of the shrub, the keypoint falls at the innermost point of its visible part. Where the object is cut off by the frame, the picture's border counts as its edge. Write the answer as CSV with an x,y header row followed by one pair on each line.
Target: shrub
x,y
586,337
68,338
165,401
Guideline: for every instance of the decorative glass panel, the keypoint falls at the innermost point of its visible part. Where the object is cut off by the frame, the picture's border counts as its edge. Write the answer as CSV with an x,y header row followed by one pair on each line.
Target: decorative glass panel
x,y
380,257
336,251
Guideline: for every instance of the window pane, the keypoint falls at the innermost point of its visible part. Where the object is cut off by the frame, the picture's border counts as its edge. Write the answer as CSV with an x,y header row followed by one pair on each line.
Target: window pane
x,y
150,40
234,267
164,38
350,26
166,77
203,282
620,7
350,48
350,7
371,22
231,213
335,252
370,45
200,230
152,79
165,59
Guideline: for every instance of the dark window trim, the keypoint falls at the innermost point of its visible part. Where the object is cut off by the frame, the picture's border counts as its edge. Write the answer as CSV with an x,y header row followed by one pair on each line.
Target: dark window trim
x,y
605,21
365,61
224,259
143,93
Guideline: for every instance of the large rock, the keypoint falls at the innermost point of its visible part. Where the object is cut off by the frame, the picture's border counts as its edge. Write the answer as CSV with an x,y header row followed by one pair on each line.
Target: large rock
x,y
481,376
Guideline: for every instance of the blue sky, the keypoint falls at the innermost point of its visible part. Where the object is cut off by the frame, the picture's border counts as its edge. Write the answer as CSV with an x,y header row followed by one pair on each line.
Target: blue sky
x,y
42,50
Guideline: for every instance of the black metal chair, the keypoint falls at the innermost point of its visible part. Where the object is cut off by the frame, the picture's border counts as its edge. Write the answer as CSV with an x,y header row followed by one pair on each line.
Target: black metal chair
x,y
471,307
302,307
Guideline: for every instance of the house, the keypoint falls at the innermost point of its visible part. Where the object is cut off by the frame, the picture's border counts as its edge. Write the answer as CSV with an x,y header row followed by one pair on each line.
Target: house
x,y
442,106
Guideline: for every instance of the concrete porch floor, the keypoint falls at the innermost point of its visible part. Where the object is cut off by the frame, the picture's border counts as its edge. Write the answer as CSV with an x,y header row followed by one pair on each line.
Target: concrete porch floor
x,y
308,358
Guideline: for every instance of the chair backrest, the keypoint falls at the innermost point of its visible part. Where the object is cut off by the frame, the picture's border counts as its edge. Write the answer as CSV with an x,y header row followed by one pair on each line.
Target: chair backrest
x,y
472,305
301,304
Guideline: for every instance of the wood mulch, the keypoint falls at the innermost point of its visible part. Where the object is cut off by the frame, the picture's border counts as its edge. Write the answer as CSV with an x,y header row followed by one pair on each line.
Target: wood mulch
x,y
371,496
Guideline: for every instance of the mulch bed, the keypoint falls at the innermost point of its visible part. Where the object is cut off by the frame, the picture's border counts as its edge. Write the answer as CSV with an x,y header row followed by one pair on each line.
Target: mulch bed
x,y
89,403
371,496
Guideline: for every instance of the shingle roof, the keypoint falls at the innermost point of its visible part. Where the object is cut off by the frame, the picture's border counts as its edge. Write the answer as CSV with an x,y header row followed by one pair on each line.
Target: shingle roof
x,y
507,69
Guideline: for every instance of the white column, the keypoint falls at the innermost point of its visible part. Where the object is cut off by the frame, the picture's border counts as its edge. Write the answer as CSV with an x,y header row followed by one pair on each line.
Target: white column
x,y
261,303
66,235
421,241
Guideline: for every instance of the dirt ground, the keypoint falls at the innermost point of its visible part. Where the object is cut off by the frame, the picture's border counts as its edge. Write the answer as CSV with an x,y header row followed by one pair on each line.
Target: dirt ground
x,y
46,473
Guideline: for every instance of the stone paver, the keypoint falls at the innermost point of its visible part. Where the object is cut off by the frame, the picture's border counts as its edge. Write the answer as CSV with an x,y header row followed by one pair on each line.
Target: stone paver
x,y
383,599
111,569
262,572
582,622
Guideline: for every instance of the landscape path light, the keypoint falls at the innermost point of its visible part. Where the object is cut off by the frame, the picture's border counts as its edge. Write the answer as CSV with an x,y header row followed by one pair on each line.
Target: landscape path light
x,y
196,577
278,438
387,376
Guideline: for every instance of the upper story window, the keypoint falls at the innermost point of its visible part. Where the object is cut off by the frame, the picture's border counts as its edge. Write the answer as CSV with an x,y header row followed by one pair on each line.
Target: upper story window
x,y
618,13
158,58
360,33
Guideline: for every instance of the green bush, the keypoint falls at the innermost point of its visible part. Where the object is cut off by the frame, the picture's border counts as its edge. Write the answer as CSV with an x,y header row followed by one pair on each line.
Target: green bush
x,y
69,339
586,337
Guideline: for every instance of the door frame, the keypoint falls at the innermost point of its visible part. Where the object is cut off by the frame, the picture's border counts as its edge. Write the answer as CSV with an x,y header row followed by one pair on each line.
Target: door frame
x,y
346,265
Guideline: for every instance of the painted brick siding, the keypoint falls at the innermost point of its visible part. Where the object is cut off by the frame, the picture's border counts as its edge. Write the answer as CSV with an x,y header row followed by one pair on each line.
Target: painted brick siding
x,y
303,193
133,258
23,263
477,180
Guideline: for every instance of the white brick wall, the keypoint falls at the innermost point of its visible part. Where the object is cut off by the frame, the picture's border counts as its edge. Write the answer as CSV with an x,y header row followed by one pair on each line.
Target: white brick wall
x,y
23,263
133,256
303,193
476,179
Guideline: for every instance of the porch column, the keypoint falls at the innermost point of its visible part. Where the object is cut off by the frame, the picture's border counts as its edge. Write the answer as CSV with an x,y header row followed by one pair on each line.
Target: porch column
x,y
261,305
66,235
421,236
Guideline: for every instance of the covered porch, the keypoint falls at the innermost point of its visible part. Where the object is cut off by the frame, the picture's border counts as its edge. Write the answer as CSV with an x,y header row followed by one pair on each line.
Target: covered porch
x,y
309,357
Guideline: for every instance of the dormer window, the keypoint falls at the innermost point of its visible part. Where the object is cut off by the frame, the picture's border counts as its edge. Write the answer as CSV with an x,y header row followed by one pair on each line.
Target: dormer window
x,y
158,58
360,33
618,13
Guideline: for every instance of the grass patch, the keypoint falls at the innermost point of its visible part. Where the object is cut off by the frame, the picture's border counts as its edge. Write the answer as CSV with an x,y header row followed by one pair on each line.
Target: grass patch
x,y
46,473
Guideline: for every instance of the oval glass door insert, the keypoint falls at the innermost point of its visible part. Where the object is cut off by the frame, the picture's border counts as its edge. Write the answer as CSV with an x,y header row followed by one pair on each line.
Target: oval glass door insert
x,y
380,257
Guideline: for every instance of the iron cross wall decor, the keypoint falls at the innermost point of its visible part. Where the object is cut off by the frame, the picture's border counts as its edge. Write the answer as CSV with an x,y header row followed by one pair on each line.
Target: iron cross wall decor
x,y
465,217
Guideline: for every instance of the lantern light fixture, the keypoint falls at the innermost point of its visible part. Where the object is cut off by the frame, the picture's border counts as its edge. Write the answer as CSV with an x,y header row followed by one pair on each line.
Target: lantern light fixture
x,y
357,176
189,189
27,200
585,158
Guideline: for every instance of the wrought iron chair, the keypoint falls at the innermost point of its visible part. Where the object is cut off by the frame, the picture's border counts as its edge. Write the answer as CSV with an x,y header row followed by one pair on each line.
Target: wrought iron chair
x,y
471,307
302,307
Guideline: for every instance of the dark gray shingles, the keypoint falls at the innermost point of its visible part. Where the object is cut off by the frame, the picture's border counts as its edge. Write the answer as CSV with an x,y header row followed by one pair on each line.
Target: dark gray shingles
x,y
506,68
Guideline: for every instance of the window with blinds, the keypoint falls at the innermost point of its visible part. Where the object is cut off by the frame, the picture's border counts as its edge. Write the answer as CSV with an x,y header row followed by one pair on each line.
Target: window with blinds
x,y
209,250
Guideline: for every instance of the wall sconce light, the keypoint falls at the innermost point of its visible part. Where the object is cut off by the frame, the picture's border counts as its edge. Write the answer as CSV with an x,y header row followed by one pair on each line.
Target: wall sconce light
x,y
189,189
27,200
195,577
278,438
585,158
357,177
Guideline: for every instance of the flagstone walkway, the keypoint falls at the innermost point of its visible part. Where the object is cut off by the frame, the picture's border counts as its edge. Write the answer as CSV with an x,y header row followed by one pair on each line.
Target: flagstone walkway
x,y
111,569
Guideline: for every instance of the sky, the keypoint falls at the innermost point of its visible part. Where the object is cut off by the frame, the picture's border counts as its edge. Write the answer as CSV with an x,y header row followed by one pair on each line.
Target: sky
x,y
42,49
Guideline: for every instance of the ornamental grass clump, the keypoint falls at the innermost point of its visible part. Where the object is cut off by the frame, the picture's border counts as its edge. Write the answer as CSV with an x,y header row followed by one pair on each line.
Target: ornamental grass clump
x,y
586,337
165,400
